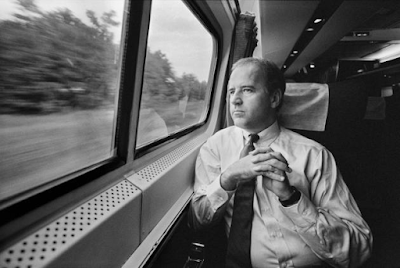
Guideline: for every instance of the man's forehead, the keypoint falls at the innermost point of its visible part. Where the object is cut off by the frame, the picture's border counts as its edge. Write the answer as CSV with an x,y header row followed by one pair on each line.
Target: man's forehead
x,y
245,74
248,66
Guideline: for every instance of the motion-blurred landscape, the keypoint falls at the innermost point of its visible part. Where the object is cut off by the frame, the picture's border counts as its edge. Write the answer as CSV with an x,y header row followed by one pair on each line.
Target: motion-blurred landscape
x,y
35,148
59,90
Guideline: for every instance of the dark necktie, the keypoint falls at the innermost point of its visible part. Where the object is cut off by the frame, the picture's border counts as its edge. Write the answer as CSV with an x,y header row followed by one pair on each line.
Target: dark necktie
x,y
239,241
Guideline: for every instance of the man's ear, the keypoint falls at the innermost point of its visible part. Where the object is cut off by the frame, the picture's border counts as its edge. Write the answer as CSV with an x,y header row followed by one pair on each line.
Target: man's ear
x,y
276,98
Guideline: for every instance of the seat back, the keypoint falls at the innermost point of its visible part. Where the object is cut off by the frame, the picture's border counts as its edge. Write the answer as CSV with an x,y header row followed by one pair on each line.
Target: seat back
x,y
346,109
346,136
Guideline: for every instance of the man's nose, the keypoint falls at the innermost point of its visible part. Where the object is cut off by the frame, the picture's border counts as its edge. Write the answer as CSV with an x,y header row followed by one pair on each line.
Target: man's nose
x,y
236,98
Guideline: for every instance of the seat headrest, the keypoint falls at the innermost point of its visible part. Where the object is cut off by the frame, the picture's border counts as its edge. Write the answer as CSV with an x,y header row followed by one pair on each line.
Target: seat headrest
x,y
305,106
347,105
320,107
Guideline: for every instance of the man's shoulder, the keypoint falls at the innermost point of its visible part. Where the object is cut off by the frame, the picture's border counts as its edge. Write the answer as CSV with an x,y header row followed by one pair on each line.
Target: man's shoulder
x,y
300,140
224,137
227,132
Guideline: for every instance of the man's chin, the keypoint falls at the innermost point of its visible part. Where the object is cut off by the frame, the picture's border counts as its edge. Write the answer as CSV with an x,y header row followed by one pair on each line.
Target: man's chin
x,y
240,122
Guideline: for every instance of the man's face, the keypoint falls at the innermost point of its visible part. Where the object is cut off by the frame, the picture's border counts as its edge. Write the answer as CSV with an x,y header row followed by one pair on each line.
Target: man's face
x,y
251,106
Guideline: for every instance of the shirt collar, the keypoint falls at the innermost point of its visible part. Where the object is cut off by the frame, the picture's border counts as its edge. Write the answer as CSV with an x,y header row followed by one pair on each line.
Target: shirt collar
x,y
270,133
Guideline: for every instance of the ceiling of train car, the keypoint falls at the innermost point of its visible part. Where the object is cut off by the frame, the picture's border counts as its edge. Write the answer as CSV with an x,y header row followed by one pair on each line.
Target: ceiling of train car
x,y
350,30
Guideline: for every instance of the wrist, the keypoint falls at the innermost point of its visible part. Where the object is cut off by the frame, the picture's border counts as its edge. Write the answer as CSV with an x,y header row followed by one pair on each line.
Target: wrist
x,y
227,183
292,199
285,195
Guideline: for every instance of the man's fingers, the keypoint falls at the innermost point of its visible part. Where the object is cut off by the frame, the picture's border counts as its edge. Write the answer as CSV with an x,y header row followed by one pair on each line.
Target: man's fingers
x,y
266,161
273,176
279,169
264,154
261,150
280,157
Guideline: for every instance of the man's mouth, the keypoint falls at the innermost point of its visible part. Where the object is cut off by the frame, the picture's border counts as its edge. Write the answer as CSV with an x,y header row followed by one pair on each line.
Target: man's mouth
x,y
237,112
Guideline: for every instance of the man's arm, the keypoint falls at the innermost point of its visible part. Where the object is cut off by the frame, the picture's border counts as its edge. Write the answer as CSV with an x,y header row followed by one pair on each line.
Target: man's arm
x,y
213,188
331,223
210,199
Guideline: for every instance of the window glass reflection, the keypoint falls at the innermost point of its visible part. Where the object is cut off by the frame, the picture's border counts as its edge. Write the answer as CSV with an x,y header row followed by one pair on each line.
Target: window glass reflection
x,y
178,62
59,72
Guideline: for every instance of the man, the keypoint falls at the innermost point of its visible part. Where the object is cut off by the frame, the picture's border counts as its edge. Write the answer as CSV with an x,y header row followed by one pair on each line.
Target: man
x,y
302,213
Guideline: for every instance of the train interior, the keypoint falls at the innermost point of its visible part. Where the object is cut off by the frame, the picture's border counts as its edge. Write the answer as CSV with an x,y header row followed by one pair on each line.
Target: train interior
x,y
129,206
320,42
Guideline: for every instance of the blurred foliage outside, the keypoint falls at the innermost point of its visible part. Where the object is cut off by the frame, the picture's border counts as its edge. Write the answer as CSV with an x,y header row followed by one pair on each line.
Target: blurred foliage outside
x,y
58,83
52,60
179,101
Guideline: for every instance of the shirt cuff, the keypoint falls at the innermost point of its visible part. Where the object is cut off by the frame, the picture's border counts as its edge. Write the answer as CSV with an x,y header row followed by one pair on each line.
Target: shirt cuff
x,y
302,214
217,195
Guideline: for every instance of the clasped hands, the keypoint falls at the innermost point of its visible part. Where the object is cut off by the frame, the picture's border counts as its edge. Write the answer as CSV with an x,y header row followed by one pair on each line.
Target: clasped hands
x,y
262,161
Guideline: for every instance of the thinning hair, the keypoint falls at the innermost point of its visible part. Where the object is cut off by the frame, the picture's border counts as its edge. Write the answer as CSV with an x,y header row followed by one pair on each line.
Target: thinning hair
x,y
272,75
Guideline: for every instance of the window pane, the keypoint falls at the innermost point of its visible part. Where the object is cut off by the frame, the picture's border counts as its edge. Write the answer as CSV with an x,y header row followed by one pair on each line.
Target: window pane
x,y
59,75
178,62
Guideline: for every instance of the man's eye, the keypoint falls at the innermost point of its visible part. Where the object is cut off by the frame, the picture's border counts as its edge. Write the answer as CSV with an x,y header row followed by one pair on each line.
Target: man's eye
x,y
231,92
247,90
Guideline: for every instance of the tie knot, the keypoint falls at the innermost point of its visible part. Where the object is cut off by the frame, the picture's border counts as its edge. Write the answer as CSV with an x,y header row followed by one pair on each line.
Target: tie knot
x,y
253,138
249,145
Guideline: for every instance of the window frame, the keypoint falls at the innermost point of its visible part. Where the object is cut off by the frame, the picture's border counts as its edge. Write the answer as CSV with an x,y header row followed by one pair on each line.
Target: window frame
x,y
202,18
37,207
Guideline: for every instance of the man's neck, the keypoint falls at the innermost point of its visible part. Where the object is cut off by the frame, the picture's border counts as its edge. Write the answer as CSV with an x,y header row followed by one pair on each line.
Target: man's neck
x,y
260,129
264,130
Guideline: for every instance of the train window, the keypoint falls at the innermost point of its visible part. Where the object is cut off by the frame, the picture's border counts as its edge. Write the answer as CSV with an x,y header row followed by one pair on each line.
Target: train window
x,y
59,72
178,63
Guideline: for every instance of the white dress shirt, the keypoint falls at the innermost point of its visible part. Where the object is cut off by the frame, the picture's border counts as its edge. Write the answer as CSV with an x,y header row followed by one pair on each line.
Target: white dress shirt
x,y
325,224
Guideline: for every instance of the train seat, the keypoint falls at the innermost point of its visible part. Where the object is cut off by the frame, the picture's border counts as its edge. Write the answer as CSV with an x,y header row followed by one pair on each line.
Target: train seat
x,y
341,104
305,106
344,132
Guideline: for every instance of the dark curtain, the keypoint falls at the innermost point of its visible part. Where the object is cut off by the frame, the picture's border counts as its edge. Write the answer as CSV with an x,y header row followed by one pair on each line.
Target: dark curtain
x,y
245,36
244,44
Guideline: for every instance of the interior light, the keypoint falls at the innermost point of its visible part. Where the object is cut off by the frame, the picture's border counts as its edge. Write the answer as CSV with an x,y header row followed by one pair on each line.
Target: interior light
x,y
388,53
387,91
361,34
318,20
295,52
310,29
312,65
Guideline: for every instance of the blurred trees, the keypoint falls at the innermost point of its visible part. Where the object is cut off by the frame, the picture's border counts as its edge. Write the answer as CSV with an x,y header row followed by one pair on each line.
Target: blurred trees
x,y
161,83
163,90
51,60
194,89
